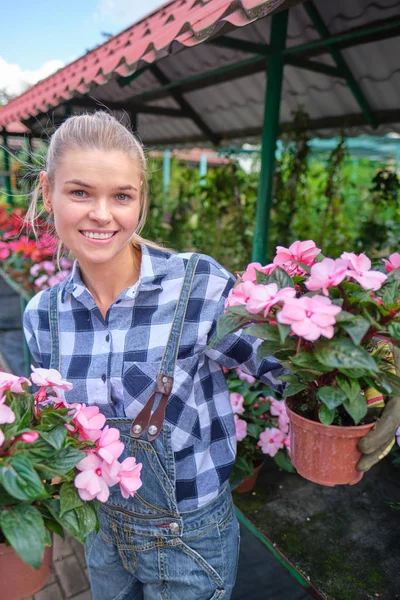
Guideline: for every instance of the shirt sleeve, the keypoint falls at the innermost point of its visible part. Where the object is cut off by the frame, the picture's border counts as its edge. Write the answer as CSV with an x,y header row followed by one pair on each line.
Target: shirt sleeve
x,y
240,350
30,323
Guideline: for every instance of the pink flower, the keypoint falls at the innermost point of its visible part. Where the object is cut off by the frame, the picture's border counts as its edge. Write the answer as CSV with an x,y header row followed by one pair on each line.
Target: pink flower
x,y
108,445
310,318
250,272
263,297
326,274
88,421
129,477
49,378
286,442
237,403
95,478
244,377
35,269
41,281
12,383
29,437
6,414
240,294
278,409
271,440
1,437
359,269
241,428
393,262
303,252
65,264
58,277
398,435
48,266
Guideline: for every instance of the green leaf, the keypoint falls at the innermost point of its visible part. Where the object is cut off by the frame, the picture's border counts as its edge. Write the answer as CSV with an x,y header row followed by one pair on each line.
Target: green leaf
x,y
394,382
284,331
294,388
350,387
54,526
79,522
343,353
356,408
264,331
69,498
326,415
56,437
283,461
281,278
394,330
390,293
228,323
357,327
24,529
268,349
344,316
262,278
394,275
331,397
20,479
355,373
66,459
309,361
253,430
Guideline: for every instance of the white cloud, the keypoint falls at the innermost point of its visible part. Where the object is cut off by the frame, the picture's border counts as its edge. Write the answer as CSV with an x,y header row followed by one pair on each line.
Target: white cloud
x,y
15,80
123,13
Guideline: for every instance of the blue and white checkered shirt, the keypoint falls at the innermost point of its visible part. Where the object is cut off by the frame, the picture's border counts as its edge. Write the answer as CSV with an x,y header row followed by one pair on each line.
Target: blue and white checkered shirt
x,y
113,363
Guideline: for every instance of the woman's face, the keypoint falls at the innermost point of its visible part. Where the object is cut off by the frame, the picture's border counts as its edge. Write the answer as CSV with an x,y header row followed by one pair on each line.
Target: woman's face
x,y
96,203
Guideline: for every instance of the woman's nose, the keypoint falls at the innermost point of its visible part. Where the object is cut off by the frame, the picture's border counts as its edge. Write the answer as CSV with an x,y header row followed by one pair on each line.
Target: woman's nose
x,y
101,212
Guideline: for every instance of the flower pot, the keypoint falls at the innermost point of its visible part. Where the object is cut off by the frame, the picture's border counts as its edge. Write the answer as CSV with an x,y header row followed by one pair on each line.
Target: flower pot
x,y
248,484
325,454
18,580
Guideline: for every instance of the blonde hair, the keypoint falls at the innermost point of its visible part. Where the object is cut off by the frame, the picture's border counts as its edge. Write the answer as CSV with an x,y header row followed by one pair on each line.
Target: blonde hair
x,y
101,131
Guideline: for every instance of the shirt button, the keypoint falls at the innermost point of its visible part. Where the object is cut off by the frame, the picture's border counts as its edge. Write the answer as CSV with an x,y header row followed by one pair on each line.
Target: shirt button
x,y
104,377
107,338
174,527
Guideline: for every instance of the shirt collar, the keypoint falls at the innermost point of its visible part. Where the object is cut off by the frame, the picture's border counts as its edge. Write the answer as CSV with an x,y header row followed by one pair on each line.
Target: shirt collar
x,y
153,269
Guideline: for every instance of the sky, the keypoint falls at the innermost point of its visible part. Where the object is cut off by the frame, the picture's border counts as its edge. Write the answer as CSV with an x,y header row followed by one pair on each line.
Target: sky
x,y
40,36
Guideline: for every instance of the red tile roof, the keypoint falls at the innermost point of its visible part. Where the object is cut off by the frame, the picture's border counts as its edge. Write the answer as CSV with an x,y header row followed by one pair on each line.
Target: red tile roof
x,y
177,23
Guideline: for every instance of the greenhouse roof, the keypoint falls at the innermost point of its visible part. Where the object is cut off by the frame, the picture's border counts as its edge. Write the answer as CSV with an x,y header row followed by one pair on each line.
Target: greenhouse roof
x,y
194,71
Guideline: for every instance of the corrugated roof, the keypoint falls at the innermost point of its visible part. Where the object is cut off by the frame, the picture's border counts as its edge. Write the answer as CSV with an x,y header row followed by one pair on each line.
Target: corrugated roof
x,y
229,105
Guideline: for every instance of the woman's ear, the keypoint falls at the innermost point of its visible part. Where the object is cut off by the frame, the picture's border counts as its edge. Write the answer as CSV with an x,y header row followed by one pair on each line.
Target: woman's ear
x,y
45,185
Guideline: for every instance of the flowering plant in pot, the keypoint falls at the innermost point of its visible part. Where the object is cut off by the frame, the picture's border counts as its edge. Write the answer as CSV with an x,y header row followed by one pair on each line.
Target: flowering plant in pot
x,y
332,324
262,427
55,460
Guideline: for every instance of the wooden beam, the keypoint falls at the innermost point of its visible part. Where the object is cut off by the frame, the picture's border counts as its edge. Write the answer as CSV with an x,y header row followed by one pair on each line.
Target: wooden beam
x,y
355,89
185,106
128,107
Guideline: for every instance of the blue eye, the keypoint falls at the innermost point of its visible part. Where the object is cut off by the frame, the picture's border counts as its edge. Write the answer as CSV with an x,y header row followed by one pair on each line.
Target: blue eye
x,y
79,193
124,197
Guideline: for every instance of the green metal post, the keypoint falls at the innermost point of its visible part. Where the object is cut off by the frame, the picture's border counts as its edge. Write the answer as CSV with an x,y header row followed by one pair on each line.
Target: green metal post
x,y
269,136
7,169
166,170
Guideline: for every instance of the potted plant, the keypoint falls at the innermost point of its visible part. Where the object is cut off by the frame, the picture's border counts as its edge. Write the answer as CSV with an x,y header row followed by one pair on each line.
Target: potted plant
x,y
330,323
55,460
262,426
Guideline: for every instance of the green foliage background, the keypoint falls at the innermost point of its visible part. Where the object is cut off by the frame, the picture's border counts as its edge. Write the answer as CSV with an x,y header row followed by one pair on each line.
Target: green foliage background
x,y
340,203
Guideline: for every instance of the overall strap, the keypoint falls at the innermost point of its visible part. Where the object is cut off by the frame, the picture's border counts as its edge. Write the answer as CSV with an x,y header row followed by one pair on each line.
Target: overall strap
x,y
165,378
54,330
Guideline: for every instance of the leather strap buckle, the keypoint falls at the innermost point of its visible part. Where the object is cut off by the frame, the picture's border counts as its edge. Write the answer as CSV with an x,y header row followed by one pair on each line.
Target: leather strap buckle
x,y
145,420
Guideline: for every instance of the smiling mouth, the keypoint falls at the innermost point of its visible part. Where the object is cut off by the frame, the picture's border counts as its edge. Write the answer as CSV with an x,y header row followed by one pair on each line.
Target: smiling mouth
x,y
92,235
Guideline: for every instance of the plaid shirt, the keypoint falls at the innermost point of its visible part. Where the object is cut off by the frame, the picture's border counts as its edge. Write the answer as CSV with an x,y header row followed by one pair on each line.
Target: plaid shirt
x,y
113,363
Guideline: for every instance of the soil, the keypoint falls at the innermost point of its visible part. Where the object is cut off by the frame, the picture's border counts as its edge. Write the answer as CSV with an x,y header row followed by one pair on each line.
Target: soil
x,y
345,539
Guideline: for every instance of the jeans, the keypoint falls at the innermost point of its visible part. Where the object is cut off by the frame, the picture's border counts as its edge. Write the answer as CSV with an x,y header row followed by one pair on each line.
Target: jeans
x,y
145,549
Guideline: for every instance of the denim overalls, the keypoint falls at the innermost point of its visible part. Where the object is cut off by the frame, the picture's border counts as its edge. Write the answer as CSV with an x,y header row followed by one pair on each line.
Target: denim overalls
x,y
145,549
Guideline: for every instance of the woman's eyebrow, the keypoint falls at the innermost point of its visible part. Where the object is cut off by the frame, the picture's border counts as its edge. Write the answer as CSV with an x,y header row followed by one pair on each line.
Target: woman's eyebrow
x,y
79,182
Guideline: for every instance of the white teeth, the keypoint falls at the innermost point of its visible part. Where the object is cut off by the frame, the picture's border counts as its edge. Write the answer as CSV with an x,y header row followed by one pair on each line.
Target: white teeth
x,y
97,236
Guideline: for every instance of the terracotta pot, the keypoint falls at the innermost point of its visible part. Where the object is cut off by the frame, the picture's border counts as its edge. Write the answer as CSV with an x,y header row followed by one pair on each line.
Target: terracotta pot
x,y
325,454
18,580
248,484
